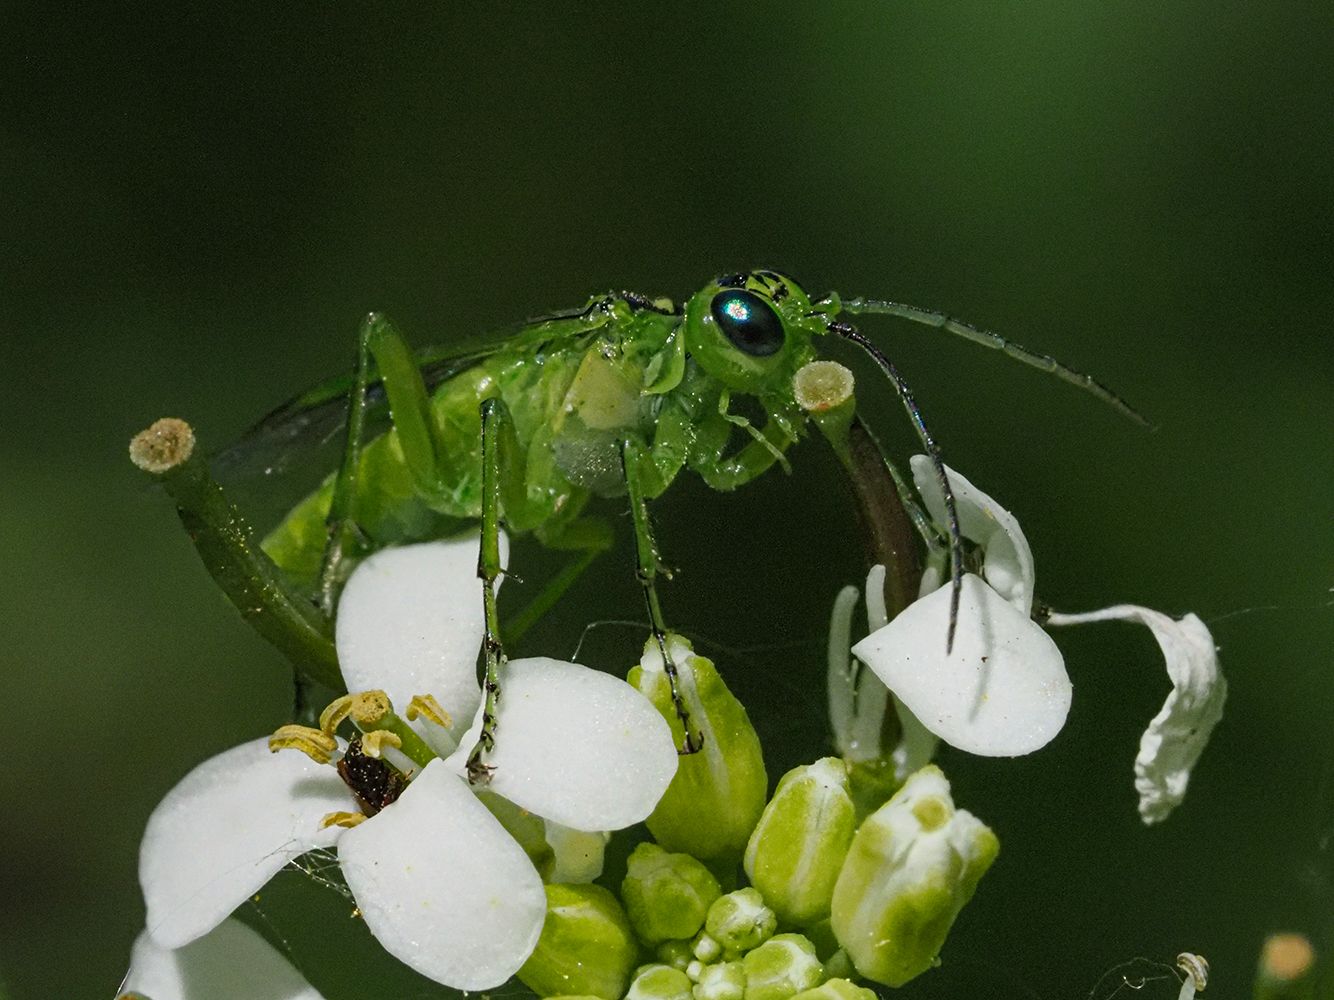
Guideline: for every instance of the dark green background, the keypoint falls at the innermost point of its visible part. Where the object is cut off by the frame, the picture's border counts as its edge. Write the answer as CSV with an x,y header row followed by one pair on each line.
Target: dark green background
x,y
197,205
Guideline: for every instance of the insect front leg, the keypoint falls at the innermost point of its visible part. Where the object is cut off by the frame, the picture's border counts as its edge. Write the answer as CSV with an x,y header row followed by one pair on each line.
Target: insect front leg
x,y
752,460
648,565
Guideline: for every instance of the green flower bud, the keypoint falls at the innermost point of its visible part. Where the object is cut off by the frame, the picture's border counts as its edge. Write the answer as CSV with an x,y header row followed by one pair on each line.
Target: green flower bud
x,y
659,982
707,949
667,895
724,981
677,954
718,794
913,865
837,989
782,967
795,854
740,921
587,945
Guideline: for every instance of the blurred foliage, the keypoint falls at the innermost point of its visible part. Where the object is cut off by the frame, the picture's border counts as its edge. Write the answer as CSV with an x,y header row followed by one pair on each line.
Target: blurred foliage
x,y
199,202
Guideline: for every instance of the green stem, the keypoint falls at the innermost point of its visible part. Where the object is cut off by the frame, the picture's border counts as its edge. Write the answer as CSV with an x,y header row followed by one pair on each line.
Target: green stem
x,y
249,578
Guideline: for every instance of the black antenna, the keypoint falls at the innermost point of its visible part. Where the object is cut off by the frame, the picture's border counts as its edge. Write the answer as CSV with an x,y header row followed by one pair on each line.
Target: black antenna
x,y
850,332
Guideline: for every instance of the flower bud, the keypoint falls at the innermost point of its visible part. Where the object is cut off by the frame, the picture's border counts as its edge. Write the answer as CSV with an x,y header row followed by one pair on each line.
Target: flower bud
x,y
912,866
587,946
740,921
706,949
659,982
666,895
837,989
782,967
677,954
724,981
718,793
795,854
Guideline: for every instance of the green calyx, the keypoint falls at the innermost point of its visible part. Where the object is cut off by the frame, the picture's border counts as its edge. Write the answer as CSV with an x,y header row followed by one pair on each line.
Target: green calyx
x,y
797,849
716,798
667,895
587,946
740,921
782,967
912,866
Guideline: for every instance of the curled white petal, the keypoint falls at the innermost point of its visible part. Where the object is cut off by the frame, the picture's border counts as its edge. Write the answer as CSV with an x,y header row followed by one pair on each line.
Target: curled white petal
x,y
410,622
226,829
1007,560
577,746
1002,692
442,886
1177,735
229,962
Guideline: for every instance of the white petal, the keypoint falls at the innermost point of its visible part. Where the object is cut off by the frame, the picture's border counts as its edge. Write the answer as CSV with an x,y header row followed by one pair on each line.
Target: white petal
x,y
1177,735
442,886
226,829
230,962
1002,692
577,746
1008,561
410,622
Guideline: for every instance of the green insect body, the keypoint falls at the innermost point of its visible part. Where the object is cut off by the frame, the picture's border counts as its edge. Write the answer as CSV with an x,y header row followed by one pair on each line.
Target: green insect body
x,y
616,399
575,391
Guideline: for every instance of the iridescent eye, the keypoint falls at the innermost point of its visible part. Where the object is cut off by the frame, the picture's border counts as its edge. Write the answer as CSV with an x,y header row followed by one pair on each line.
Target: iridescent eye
x,y
749,322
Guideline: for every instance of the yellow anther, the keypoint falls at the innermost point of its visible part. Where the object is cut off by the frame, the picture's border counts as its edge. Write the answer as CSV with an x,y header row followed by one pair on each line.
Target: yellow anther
x,y
344,819
427,707
374,742
369,707
316,745
332,717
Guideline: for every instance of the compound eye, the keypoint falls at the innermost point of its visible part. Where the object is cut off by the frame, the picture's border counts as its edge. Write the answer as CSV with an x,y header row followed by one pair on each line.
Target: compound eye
x,y
749,322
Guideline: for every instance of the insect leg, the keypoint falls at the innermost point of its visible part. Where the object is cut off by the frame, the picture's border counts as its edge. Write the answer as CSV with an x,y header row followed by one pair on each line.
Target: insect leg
x,y
757,437
754,459
489,570
424,449
850,332
648,563
341,525
1042,362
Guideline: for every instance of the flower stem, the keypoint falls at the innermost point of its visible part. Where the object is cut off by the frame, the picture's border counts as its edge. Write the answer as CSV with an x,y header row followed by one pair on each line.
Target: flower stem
x,y
249,578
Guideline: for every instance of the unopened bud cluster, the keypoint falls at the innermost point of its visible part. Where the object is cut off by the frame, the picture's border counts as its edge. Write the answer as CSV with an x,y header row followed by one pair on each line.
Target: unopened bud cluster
x,y
831,901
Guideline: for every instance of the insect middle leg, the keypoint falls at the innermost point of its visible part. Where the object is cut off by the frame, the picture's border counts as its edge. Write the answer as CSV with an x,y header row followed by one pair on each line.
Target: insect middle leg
x,y
648,565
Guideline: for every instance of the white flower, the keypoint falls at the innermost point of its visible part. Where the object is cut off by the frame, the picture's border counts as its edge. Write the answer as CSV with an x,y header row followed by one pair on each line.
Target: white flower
x,y
1176,736
438,880
229,962
858,698
1004,690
